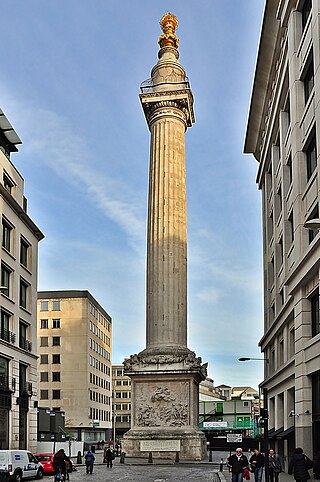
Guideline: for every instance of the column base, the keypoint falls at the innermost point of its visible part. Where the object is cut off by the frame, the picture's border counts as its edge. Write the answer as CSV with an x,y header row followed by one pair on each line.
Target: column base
x,y
164,444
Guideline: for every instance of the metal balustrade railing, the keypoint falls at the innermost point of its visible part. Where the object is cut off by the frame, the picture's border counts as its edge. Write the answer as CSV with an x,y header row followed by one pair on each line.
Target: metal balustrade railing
x,y
7,335
149,87
25,388
25,344
7,384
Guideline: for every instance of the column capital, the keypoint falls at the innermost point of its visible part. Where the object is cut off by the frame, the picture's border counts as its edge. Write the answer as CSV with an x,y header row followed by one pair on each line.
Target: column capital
x,y
177,104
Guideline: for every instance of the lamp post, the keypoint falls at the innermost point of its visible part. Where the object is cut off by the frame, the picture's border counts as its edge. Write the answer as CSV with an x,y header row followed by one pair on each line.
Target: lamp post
x,y
265,417
114,430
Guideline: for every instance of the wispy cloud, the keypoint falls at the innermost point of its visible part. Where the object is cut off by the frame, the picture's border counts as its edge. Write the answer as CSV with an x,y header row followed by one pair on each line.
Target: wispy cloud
x,y
52,141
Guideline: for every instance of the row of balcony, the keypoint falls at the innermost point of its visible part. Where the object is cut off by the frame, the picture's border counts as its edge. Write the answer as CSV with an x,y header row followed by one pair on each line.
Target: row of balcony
x,y
10,337
8,384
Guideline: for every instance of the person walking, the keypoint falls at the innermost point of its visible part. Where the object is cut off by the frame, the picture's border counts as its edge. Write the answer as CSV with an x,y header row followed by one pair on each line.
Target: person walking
x,y
238,462
257,462
109,457
299,465
89,459
275,466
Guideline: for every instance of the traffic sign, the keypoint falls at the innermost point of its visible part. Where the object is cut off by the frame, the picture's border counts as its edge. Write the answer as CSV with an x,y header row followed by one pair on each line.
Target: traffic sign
x,y
234,437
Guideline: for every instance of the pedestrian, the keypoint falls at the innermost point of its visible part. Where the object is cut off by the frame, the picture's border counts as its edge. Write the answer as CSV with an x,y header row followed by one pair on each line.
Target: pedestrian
x,y
238,462
275,466
59,462
89,459
299,465
68,463
109,456
257,462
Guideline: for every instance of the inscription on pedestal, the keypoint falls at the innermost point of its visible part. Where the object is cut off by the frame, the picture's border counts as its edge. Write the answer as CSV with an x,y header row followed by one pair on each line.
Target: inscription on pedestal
x,y
160,445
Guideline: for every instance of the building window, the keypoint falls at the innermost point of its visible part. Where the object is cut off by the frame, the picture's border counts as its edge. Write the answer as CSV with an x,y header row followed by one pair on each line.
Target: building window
x,y
281,353
44,305
5,279
44,394
44,359
311,156
56,341
291,228
23,342
305,12
55,394
44,324
315,320
56,359
23,299
24,251
291,343
313,232
308,80
56,305
6,235
44,376
5,333
56,323
56,376
8,182
44,341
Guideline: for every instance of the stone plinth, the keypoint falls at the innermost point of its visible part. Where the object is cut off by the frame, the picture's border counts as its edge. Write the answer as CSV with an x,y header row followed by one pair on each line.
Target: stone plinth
x,y
165,404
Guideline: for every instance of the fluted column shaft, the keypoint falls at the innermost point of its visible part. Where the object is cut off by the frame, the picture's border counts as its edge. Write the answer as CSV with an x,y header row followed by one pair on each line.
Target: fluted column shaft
x,y
167,231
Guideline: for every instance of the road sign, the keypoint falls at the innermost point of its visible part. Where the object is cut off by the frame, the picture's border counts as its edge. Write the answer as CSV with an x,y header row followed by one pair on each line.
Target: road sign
x,y
234,437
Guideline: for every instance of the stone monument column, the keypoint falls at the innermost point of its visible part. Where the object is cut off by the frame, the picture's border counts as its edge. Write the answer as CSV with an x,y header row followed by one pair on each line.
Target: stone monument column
x,y
166,375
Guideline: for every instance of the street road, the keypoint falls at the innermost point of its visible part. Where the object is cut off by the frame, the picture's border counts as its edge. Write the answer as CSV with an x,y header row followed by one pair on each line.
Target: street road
x,y
145,473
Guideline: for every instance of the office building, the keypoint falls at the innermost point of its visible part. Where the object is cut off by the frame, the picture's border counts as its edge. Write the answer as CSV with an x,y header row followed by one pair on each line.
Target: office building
x,y
283,135
121,401
74,366
18,331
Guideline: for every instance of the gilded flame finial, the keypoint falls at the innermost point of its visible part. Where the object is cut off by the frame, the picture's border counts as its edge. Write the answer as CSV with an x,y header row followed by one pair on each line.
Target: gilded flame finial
x,y
169,24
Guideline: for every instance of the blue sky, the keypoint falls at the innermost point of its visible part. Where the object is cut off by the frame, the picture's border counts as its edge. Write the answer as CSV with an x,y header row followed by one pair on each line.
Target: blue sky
x,y
69,83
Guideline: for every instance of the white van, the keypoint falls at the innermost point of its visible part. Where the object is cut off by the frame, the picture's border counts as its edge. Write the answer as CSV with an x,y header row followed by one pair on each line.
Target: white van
x,y
19,464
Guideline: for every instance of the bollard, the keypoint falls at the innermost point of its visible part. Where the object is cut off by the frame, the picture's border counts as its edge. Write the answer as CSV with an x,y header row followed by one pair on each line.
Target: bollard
x,y
79,458
177,460
150,461
122,456
210,456
221,465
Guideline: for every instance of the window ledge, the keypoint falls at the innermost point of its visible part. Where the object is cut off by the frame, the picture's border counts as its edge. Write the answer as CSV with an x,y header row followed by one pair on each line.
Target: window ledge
x,y
8,253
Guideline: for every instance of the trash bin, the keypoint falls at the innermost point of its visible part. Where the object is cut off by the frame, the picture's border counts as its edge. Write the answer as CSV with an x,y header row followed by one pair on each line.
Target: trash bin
x,y
93,449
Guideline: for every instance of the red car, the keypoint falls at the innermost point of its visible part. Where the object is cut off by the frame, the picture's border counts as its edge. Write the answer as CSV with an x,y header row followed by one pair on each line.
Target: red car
x,y
46,460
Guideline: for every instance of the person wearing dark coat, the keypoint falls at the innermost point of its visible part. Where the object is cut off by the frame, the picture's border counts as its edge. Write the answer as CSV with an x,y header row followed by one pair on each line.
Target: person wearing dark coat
x,y
109,457
299,465
275,466
237,462
257,463
59,462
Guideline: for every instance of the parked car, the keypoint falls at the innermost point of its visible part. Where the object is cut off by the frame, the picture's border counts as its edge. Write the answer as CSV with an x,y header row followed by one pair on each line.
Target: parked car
x,y
47,462
19,464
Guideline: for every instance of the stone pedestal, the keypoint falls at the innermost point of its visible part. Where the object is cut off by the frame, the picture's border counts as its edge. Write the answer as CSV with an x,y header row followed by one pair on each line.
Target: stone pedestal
x,y
165,405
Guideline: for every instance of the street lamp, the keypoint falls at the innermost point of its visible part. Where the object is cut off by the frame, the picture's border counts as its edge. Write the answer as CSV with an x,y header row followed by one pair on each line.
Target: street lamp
x,y
312,224
265,417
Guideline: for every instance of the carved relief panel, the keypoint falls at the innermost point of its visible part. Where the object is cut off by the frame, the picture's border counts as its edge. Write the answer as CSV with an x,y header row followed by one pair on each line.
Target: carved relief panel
x,y
162,404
